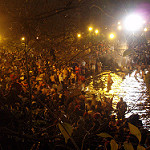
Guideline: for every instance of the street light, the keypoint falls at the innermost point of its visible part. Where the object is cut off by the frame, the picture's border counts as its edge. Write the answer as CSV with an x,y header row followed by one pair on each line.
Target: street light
x,y
23,39
90,29
112,36
96,31
78,35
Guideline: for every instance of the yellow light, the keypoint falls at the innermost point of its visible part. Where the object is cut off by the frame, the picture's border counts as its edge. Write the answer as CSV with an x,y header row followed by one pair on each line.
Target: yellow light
x,y
96,31
119,27
90,28
78,35
23,39
145,29
111,36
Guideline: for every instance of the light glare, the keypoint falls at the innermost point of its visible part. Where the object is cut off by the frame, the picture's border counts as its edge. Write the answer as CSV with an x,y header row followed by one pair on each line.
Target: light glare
x,y
111,35
145,29
119,23
96,31
23,38
90,28
133,22
78,35
119,27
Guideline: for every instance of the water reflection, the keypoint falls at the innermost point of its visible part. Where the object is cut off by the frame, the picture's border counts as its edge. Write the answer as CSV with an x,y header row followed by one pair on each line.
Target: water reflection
x,y
131,88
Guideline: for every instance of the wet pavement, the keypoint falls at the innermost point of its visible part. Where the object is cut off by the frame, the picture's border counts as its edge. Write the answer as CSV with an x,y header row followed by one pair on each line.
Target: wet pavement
x,y
132,88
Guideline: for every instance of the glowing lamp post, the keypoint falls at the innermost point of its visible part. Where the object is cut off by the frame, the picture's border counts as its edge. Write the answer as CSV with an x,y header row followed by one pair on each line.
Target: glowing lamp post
x,y
24,42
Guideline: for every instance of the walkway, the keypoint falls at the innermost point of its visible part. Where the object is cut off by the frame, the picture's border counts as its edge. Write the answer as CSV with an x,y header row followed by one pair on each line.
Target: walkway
x,y
133,90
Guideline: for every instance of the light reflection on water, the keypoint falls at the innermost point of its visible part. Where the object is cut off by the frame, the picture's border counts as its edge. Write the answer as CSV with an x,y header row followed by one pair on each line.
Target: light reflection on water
x,y
133,91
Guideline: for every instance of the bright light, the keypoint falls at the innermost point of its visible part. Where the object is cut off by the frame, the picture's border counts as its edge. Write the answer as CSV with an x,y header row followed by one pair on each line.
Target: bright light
x,y
96,31
111,36
119,23
145,29
78,35
23,39
133,22
119,27
90,28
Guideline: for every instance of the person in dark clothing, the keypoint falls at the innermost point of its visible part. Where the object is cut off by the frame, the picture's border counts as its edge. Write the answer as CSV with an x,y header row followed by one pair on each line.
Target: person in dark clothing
x,y
121,108
16,85
13,98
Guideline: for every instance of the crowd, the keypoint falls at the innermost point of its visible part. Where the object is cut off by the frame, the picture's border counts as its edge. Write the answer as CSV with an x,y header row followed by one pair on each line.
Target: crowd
x,y
44,96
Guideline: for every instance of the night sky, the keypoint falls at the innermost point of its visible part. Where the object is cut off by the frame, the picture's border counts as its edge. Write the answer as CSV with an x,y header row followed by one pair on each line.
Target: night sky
x,y
57,16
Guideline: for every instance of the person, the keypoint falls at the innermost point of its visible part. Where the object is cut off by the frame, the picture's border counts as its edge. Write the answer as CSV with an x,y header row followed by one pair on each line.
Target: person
x,y
121,109
109,79
82,96
94,101
143,68
93,67
109,82
99,66
88,105
17,86
138,69
73,77
99,107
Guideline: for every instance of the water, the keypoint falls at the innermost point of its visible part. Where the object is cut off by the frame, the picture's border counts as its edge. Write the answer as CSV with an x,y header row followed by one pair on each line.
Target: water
x,y
131,88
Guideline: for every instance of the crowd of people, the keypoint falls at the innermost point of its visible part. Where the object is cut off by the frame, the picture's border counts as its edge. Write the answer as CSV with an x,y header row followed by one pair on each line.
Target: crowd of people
x,y
37,90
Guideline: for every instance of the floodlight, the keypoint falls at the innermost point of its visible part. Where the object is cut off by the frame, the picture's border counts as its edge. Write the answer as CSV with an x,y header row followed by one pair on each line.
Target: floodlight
x,y
133,22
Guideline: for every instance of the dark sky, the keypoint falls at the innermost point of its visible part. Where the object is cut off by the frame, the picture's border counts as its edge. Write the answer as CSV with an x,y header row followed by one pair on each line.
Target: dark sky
x,y
43,17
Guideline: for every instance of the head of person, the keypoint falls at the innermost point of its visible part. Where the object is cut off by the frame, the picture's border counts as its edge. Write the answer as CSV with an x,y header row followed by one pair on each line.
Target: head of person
x,y
93,95
121,99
